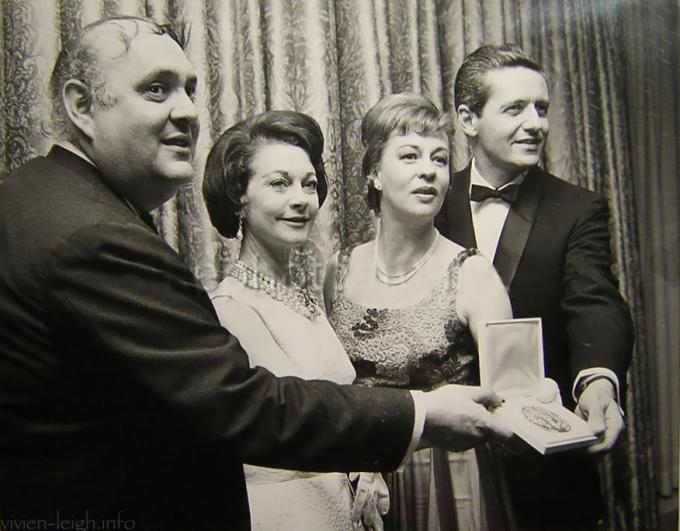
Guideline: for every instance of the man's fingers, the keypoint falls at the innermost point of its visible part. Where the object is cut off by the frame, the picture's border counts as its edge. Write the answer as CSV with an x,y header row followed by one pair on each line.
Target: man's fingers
x,y
485,397
579,413
614,426
596,420
496,429
383,503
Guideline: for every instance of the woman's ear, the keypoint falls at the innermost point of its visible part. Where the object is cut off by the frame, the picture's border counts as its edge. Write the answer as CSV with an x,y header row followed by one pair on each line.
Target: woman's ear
x,y
467,120
375,179
78,104
243,201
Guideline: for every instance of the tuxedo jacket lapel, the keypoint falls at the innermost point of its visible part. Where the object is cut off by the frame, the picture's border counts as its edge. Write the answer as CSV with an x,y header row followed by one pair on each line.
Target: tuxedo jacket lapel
x,y
459,217
517,227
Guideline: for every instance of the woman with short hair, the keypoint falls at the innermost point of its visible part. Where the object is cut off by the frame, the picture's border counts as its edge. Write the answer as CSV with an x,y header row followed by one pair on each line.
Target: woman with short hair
x,y
409,306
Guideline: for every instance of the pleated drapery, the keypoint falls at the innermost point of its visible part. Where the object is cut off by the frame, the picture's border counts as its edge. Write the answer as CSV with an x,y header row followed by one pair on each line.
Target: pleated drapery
x,y
652,35
333,59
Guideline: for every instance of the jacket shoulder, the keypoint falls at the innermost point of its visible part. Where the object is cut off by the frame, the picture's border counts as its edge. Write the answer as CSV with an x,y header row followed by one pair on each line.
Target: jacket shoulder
x,y
565,200
45,206
555,185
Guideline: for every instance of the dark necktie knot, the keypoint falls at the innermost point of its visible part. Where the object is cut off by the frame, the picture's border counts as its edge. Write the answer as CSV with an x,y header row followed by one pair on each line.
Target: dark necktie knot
x,y
507,194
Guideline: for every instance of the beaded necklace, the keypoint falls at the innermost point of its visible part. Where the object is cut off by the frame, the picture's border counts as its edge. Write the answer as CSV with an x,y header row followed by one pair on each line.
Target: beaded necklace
x,y
298,299
401,278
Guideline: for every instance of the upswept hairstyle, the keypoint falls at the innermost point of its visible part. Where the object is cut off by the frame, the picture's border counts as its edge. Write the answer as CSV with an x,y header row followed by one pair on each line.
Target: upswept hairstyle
x,y
471,88
397,114
78,59
227,169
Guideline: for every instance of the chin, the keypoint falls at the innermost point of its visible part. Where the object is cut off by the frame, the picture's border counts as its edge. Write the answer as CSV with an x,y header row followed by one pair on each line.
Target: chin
x,y
178,171
427,212
527,161
298,242
293,240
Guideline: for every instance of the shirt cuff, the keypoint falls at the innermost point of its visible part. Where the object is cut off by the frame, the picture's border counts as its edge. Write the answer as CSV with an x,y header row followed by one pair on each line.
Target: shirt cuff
x,y
586,376
420,412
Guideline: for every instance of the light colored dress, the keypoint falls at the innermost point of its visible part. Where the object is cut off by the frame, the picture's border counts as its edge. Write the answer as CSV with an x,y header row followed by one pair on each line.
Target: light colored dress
x,y
422,346
287,343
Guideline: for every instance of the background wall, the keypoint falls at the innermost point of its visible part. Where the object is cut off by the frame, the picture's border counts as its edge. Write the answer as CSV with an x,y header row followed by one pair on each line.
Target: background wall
x,y
614,128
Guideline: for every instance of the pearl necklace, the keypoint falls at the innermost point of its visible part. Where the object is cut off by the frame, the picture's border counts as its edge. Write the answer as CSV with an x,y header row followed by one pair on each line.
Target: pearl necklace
x,y
298,299
401,278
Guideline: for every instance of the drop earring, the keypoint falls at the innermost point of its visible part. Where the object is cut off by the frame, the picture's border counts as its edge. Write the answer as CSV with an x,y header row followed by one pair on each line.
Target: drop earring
x,y
239,231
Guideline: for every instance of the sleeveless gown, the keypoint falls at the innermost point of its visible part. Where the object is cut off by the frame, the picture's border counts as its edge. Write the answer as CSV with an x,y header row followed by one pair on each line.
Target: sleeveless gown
x,y
422,346
281,499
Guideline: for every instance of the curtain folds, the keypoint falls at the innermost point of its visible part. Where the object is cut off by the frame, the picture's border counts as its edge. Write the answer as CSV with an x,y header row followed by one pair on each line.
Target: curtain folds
x,y
333,59
651,39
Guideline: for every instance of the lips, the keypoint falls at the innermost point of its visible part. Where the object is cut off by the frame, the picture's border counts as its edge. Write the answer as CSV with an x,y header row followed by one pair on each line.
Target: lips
x,y
426,190
529,141
180,141
295,219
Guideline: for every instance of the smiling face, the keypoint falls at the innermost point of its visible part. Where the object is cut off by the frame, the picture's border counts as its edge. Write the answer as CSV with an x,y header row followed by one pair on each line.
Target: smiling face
x,y
281,201
143,141
509,133
413,175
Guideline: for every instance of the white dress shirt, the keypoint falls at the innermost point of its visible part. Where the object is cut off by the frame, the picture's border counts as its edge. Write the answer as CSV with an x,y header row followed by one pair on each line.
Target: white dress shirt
x,y
488,216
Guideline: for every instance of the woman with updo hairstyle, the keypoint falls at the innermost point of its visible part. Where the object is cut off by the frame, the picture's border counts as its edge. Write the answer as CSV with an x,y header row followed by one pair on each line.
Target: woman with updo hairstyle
x,y
409,306
264,182
228,170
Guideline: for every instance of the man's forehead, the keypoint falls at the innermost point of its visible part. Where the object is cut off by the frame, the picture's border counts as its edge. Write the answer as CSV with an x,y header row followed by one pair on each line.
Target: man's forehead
x,y
120,40
512,82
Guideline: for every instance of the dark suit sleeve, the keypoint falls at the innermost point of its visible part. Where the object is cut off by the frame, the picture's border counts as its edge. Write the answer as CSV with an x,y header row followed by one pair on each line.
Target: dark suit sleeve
x,y
597,319
141,329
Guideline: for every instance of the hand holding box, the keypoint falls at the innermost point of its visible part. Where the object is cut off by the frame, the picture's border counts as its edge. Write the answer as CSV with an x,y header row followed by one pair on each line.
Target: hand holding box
x,y
511,363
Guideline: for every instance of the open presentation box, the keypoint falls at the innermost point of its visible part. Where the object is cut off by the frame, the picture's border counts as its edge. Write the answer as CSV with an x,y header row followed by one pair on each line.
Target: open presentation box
x,y
511,363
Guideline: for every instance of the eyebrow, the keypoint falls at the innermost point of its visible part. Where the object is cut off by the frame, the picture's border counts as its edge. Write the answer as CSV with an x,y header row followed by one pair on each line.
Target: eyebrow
x,y
167,74
524,101
287,174
414,146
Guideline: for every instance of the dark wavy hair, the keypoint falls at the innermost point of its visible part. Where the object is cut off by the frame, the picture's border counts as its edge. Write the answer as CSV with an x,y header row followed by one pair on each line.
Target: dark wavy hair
x,y
227,170
471,88
397,114
79,59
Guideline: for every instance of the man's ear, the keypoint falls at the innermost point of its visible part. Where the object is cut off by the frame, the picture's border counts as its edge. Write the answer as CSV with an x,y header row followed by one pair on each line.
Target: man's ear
x,y
467,120
78,104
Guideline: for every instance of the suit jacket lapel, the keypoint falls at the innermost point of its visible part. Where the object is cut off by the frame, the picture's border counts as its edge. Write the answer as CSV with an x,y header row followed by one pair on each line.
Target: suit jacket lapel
x,y
518,226
458,222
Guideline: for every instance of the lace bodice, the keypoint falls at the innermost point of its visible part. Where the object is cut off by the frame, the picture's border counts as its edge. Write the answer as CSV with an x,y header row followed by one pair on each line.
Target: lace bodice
x,y
418,347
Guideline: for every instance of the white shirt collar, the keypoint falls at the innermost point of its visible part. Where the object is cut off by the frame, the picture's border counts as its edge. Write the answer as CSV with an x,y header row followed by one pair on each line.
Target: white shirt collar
x,y
478,179
68,146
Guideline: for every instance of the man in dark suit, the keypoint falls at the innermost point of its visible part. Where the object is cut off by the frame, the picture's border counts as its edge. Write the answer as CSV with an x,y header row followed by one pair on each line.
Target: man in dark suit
x,y
123,403
549,242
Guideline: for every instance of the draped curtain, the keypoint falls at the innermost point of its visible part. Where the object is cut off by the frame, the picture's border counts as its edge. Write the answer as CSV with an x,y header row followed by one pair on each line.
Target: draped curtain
x,y
652,35
333,59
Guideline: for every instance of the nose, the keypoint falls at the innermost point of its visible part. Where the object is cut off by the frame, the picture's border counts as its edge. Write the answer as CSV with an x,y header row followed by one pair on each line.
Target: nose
x,y
184,109
299,199
428,171
534,120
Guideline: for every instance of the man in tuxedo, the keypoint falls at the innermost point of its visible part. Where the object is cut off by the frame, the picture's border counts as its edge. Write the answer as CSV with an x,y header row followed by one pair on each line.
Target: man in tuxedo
x,y
122,400
549,242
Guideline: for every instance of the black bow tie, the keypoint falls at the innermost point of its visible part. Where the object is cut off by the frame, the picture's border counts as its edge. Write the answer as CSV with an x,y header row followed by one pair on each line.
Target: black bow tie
x,y
507,194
